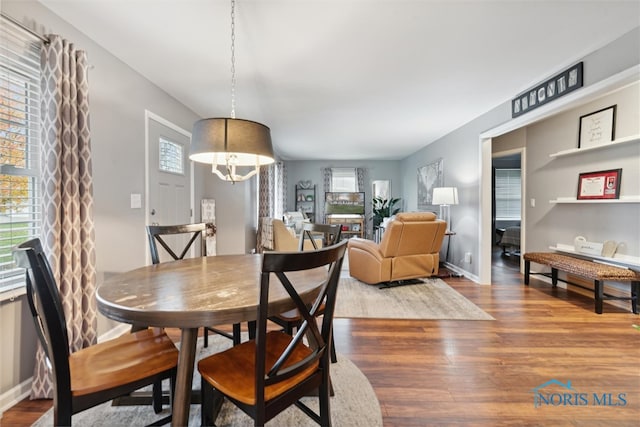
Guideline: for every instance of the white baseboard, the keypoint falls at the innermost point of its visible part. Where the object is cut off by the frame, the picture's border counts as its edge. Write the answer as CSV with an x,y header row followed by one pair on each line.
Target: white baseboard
x,y
114,332
21,391
14,395
457,270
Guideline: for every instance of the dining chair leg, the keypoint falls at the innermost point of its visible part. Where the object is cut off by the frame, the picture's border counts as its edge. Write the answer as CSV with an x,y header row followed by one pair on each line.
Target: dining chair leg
x,y
156,395
236,333
206,405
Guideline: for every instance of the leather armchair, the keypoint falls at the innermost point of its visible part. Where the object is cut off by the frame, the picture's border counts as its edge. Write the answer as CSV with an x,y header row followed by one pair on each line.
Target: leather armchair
x,y
285,240
409,249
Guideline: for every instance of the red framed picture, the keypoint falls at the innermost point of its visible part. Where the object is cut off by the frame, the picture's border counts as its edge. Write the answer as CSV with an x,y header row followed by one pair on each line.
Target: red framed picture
x,y
599,185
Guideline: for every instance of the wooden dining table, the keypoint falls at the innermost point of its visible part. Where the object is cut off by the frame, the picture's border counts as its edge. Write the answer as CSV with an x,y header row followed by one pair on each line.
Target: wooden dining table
x,y
192,293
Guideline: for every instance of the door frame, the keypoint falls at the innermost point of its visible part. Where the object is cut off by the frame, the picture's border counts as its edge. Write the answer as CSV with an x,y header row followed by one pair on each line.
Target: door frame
x,y
574,99
149,115
523,195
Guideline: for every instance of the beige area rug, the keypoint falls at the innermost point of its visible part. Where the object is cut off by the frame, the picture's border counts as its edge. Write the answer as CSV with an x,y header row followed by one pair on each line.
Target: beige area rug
x,y
433,299
354,403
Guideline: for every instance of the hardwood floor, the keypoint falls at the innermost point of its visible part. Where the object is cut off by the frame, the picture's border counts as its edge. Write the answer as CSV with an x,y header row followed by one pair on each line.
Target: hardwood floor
x,y
482,373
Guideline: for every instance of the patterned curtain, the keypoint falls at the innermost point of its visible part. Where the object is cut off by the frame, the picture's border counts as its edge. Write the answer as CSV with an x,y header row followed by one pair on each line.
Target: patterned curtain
x,y
272,201
360,176
67,196
326,186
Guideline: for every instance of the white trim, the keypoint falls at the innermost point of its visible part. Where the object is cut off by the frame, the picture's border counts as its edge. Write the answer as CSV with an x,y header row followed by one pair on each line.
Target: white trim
x,y
15,395
12,294
461,271
523,195
148,115
574,99
114,332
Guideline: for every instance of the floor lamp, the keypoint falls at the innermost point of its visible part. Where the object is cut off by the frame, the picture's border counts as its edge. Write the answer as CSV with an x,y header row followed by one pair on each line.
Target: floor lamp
x,y
445,197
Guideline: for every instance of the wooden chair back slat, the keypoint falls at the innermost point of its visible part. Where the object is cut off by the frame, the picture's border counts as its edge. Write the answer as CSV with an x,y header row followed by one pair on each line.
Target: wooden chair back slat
x,y
155,235
331,234
280,264
98,373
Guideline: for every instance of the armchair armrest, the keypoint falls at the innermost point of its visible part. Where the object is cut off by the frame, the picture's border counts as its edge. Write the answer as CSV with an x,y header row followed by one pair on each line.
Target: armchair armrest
x,y
369,246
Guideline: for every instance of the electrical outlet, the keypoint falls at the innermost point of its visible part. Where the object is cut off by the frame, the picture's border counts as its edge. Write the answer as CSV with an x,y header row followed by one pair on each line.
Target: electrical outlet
x,y
467,257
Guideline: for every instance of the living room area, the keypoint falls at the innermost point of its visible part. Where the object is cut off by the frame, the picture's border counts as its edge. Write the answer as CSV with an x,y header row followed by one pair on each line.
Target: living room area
x,y
475,348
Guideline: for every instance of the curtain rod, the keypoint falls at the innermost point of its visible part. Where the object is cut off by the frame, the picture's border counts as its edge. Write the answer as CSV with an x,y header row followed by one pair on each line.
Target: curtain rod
x,y
24,27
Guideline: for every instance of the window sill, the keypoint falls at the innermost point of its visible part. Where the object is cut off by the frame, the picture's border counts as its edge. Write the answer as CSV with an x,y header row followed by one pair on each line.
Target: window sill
x,y
11,293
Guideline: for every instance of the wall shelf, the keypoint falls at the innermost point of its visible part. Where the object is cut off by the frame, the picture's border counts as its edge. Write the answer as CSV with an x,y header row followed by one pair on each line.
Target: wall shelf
x,y
306,201
624,199
618,259
621,141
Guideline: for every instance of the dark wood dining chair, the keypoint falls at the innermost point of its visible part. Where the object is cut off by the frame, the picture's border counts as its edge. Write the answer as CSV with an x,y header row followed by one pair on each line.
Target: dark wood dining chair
x,y
177,250
98,373
266,375
331,235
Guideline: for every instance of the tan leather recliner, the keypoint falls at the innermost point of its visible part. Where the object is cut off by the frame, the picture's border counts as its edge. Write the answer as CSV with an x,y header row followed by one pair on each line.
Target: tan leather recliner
x,y
409,249
285,240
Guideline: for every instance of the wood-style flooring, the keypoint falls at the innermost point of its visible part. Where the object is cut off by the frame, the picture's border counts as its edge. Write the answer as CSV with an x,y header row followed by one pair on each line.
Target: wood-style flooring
x,y
483,373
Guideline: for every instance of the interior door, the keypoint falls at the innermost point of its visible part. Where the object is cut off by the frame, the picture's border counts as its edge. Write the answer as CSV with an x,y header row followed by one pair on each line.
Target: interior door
x,y
169,177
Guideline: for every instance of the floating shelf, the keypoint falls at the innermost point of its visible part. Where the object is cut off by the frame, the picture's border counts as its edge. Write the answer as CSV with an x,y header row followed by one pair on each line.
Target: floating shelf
x,y
626,199
618,259
614,143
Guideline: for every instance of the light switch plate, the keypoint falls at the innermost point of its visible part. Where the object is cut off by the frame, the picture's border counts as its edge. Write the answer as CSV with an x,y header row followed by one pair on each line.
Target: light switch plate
x,y
136,201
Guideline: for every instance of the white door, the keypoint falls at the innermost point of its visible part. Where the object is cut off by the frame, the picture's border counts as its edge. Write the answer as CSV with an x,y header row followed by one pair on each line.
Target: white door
x,y
168,175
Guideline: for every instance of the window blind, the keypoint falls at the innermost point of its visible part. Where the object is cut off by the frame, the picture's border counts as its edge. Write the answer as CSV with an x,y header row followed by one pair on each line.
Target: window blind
x,y
20,211
343,180
508,194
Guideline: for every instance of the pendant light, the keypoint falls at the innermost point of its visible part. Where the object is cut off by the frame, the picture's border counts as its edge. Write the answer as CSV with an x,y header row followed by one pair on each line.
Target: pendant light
x,y
231,142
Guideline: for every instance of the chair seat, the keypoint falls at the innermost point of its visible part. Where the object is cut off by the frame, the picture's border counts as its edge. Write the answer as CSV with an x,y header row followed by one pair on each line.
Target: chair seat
x,y
233,371
123,360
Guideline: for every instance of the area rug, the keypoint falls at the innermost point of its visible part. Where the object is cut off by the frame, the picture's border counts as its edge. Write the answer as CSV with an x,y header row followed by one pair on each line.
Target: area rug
x,y
433,299
354,403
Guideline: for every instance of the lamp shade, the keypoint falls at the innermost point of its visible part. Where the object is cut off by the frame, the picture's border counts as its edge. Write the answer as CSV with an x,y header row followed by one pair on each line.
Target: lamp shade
x,y
214,140
445,196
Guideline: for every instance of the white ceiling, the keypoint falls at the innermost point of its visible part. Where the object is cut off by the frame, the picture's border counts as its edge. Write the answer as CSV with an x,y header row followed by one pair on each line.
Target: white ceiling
x,y
350,79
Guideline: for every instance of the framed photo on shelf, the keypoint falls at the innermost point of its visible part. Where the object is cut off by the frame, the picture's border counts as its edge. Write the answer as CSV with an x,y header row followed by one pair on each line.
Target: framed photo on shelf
x,y
599,185
597,128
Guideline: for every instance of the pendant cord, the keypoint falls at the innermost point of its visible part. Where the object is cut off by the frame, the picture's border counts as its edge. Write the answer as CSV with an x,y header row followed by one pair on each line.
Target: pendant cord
x,y
233,59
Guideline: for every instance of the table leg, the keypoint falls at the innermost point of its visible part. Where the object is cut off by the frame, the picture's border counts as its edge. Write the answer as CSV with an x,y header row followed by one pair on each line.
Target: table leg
x,y
184,377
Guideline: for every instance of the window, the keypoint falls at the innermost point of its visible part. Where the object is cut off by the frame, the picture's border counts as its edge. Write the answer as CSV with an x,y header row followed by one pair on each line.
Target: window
x,y
19,146
508,194
171,157
344,180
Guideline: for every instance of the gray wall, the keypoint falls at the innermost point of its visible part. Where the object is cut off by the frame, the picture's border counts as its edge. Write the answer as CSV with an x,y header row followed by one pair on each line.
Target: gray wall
x,y
550,178
118,98
461,151
302,170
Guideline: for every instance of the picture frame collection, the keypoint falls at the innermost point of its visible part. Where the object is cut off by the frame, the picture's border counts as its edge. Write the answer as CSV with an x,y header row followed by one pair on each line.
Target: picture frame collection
x,y
559,85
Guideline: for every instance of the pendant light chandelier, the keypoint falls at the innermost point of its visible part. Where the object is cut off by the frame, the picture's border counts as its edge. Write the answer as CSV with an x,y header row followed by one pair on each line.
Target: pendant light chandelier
x,y
231,142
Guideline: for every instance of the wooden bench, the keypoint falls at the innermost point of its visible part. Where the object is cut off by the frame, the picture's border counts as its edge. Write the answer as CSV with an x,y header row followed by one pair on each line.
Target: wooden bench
x,y
598,272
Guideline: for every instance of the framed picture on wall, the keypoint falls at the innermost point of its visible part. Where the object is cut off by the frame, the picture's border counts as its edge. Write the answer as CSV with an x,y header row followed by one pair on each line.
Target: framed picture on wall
x,y
429,177
599,185
597,128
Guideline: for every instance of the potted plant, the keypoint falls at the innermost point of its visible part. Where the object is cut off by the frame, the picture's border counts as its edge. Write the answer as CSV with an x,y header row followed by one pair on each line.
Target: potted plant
x,y
383,208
